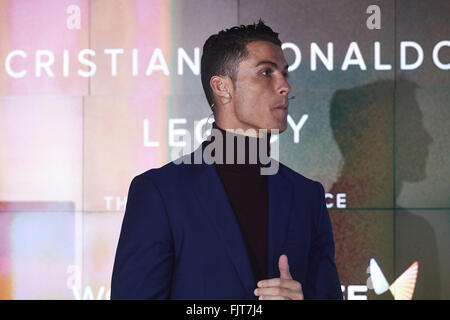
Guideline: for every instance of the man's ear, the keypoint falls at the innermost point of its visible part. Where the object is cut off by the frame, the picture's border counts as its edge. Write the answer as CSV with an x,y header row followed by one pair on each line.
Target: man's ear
x,y
220,86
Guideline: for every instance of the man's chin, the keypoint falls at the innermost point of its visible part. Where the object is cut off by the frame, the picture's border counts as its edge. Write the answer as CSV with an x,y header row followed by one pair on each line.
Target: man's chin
x,y
278,129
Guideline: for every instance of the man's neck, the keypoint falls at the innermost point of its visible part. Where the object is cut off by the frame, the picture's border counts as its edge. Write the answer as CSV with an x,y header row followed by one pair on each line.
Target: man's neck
x,y
242,150
241,129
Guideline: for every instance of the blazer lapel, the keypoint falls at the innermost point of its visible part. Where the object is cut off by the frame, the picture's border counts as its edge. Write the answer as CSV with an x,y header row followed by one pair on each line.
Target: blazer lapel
x,y
212,195
218,211
280,203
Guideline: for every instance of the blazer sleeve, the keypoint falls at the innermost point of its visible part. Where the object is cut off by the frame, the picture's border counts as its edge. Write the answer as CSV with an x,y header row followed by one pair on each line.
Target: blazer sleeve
x,y
322,280
144,257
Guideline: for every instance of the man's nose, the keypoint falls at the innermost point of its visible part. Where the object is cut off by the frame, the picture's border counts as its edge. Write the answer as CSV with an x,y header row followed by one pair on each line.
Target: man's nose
x,y
284,88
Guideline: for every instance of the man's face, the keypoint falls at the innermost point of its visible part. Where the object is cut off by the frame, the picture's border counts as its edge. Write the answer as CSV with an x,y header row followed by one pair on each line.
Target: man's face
x,y
260,96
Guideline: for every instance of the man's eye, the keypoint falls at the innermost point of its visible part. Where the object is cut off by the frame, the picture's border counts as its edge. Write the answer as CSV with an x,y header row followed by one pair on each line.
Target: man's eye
x,y
267,72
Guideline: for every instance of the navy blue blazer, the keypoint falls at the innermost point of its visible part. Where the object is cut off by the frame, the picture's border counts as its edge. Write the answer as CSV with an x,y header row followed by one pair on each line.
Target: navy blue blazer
x,y
180,238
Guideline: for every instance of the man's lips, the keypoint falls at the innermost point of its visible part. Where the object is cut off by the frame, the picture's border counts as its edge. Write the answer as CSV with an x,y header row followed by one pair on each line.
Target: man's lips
x,y
282,106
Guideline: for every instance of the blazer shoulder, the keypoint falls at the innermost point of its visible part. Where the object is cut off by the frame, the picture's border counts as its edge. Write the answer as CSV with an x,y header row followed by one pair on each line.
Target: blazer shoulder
x,y
298,179
169,173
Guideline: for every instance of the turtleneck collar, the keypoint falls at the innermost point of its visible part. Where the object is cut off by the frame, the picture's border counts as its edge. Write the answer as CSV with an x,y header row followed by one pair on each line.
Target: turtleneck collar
x,y
246,168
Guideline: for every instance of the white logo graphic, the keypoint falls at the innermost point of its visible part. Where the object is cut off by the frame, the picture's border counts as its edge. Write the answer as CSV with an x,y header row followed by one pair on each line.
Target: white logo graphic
x,y
401,289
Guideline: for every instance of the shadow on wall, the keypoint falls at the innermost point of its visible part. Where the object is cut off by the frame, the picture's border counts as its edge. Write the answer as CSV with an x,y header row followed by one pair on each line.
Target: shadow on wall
x,y
362,121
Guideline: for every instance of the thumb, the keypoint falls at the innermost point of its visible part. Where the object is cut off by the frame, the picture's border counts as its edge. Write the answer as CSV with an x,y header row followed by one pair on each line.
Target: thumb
x,y
283,265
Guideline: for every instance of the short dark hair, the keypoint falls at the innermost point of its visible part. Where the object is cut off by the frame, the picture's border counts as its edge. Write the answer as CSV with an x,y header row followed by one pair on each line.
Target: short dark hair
x,y
223,52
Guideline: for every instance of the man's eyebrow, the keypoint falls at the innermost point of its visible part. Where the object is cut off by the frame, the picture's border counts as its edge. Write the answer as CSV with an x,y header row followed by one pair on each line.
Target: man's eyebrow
x,y
273,64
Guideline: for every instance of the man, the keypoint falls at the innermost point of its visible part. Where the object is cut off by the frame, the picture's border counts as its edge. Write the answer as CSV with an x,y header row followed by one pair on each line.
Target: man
x,y
223,230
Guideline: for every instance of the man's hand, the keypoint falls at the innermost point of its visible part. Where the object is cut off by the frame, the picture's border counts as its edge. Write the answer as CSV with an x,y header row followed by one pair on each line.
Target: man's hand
x,y
282,288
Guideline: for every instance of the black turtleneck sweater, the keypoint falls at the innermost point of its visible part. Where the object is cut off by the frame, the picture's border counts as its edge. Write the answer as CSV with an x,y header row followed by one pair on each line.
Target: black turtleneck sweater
x,y
247,191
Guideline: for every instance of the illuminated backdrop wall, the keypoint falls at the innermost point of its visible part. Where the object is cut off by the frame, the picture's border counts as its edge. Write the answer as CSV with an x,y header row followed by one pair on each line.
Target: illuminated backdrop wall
x,y
93,93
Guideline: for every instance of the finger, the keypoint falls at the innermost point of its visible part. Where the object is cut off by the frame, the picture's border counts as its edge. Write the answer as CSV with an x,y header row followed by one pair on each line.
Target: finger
x,y
278,282
275,291
283,265
273,298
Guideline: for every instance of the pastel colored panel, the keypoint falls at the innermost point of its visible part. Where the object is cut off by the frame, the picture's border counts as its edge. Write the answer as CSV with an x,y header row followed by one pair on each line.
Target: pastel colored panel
x,y
124,136
153,47
40,158
100,237
37,250
39,45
